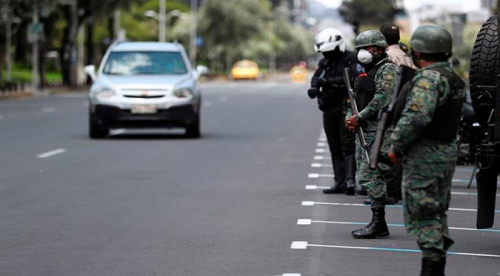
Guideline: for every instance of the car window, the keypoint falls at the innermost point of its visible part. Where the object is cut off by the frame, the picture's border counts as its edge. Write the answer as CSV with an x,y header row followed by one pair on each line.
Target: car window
x,y
145,63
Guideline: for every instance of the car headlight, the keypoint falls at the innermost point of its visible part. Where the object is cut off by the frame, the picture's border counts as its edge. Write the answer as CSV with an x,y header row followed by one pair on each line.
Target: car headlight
x,y
183,93
104,93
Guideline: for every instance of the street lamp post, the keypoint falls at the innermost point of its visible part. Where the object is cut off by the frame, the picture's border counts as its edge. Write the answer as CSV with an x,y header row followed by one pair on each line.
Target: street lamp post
x,y
194,22
162,18
162,23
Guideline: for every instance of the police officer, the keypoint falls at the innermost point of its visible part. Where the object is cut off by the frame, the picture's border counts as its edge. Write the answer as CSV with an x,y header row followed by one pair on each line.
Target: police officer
x,y
328,86
424,137
373,93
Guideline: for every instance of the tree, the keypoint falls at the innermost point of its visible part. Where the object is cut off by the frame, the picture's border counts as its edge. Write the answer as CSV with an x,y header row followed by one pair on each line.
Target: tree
x,y
362,12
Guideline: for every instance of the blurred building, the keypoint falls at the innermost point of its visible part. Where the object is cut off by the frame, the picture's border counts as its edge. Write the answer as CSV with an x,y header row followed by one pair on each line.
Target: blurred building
x,y
488,4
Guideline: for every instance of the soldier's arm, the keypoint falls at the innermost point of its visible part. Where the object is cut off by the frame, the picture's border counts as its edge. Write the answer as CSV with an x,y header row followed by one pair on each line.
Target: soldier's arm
x,y
384,81
419,110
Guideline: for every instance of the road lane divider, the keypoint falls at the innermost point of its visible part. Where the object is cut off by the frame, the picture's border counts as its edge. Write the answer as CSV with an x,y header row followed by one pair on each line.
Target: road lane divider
x,y
314,203
319,165
305,245
321,144
319,157
310,222
50,153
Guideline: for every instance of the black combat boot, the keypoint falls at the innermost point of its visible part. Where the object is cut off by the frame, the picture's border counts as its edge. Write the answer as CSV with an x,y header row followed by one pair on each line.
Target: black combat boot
x,y
350,174
377,228
432,267
339,171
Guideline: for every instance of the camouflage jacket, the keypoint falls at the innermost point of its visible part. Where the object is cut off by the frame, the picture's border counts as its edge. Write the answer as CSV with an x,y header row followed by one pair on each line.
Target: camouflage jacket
x,y
385,79
428,89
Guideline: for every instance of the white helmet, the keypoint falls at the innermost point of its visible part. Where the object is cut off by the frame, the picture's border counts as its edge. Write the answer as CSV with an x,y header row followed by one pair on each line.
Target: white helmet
x,y
328,40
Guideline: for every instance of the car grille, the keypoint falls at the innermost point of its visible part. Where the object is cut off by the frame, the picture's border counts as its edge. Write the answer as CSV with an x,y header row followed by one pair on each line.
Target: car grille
x,y
144,93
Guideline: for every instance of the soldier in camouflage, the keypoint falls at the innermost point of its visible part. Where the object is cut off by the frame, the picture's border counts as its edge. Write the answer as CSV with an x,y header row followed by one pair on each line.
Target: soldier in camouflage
x,y
424,139
373,93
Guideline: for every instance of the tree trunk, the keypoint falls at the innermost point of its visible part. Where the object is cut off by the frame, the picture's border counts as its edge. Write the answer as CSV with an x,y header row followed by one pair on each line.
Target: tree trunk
x,y
89,40
21,46
68,49
45,46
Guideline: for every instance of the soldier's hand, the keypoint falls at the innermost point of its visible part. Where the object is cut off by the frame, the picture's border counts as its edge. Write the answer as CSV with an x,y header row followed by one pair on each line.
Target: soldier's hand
x,y
393,157
351,124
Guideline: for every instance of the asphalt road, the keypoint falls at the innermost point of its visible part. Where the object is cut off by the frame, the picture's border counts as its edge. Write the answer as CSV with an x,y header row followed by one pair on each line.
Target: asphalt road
x,y
231,203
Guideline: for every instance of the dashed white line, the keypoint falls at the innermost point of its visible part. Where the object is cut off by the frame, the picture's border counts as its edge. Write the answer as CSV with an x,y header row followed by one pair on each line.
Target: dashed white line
x,y
319,157
49,109
321,144
318,175
51,153
223,99
322,139
319,165
322,151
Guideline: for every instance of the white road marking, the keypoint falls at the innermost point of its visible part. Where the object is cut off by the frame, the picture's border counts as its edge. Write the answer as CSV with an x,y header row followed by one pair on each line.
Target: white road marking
x,y
313,203
322,151
310,221
117,131
321,144
207,104
322,139
49,109
468,194
316,187
51,153
318,175
319,157
305,245
299,245
319,165
223,99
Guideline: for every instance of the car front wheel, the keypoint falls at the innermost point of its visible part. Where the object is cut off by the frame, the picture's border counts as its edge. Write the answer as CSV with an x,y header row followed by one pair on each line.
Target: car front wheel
x,y
193,129
96,131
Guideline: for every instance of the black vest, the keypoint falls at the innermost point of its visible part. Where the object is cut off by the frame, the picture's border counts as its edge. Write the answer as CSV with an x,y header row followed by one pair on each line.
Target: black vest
x,y
446,118
365,88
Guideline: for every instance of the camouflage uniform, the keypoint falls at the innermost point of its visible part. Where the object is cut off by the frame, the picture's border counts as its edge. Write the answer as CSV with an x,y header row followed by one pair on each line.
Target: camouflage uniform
x,y
373,180
428,165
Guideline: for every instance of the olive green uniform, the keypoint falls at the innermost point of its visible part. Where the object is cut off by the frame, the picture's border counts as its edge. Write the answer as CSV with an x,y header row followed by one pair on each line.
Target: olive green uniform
x,y
428,164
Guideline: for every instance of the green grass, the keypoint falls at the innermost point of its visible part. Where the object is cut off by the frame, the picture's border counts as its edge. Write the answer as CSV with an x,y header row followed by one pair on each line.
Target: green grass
x,y
23,74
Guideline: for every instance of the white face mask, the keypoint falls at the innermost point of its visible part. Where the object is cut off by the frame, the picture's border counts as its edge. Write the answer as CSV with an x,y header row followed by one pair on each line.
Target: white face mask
x,y
364,56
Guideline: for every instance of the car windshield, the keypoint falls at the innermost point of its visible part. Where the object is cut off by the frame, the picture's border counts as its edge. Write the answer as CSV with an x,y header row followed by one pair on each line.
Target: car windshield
x,y
145,63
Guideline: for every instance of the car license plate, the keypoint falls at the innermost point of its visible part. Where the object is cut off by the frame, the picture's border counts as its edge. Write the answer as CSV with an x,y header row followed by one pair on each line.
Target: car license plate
x,y
144,109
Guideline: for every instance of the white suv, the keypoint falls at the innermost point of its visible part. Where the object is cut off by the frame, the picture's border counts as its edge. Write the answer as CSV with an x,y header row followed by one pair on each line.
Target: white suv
x,y
144,85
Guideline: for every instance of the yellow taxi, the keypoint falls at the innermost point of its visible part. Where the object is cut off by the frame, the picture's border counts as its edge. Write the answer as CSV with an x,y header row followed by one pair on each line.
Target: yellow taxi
x,y
245,69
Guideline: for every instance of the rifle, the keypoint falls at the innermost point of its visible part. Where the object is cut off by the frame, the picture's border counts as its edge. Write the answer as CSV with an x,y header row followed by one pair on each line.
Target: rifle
x,y
405,73
354,107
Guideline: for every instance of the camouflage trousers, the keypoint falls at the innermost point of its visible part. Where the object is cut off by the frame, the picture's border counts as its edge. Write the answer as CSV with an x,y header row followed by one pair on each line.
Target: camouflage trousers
x,y
428,168
373,180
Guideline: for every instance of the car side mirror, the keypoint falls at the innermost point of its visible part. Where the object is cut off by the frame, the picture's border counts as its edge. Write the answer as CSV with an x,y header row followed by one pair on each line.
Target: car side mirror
x,y
202,70
90,70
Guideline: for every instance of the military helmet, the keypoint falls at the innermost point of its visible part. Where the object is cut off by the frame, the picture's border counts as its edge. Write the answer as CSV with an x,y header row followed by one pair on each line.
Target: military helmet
x,y
431,39
370,38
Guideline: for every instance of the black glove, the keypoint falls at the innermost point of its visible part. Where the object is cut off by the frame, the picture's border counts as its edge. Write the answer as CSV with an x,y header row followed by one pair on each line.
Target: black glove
x,y
321,103
312,92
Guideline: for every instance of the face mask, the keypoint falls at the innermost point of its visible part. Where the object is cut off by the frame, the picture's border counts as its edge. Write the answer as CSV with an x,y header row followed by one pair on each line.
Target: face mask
x,y
364,56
